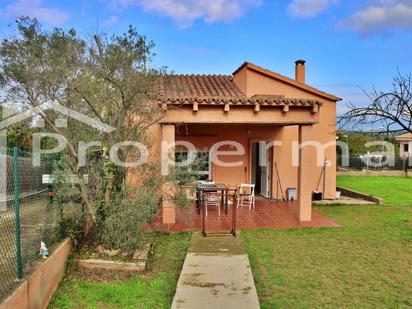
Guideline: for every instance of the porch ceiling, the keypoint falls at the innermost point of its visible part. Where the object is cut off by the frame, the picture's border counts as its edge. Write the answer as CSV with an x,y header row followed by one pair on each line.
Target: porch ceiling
x,y
240,114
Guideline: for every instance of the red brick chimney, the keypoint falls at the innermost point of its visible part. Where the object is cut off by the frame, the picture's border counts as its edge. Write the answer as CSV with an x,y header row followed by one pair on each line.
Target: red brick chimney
x,y
300,71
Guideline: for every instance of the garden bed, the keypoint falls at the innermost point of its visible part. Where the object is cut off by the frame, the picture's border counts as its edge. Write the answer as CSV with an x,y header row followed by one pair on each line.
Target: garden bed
x,y
103,259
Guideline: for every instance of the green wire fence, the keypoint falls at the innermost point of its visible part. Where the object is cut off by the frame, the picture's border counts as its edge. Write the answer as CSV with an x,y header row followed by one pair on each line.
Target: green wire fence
x,y
27,215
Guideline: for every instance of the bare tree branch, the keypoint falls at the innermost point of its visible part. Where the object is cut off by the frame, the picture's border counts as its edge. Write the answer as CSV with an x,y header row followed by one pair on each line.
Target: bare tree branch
x,y
391,109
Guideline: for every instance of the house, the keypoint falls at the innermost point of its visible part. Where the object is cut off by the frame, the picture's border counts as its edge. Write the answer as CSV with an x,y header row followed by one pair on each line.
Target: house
x,y
405,141
253,107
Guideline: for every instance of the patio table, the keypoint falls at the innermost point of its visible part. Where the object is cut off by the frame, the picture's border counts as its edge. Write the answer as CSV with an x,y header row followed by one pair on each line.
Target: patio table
x,y
218,187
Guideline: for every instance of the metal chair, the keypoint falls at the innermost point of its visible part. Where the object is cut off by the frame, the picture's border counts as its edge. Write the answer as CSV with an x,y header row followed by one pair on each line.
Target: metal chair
x,y
246,197
212,199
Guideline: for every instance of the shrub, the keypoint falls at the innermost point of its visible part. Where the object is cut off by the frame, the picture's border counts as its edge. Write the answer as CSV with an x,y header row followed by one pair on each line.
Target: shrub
x,y
121,227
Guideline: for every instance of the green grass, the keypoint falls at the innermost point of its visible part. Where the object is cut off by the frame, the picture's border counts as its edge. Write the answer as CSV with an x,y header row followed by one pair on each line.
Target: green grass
x,y
391,189
152,290
367,263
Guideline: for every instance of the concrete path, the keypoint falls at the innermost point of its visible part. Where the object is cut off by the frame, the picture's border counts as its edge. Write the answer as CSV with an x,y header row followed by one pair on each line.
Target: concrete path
x,y
216,274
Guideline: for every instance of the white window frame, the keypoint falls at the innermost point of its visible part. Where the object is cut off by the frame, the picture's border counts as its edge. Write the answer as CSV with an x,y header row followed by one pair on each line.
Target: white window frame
x,y
207,173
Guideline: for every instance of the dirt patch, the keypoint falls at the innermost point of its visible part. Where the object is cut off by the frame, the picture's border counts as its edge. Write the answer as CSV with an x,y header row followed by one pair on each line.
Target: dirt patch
x,y
215,292
197,274
246,290
221,245
194,282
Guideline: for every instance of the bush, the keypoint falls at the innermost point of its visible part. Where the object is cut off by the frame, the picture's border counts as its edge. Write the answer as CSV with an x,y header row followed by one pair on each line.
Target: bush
x,y
121,227
66,210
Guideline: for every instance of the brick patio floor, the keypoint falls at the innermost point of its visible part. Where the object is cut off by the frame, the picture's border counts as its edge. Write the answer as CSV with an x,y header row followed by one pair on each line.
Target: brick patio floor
x,y
266,214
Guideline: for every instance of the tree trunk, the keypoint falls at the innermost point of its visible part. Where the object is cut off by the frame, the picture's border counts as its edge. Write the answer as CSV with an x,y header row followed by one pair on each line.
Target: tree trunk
x,y
109,188
89,206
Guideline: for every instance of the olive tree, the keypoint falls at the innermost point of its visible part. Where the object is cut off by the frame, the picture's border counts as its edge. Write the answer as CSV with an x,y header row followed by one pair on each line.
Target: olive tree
x,y
106,77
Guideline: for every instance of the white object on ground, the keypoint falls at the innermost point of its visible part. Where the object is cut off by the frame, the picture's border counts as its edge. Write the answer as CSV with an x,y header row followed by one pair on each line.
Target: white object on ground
x,y
44,252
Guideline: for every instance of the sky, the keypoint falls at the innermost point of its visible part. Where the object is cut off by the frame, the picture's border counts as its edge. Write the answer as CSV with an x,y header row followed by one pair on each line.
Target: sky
x,y
349,45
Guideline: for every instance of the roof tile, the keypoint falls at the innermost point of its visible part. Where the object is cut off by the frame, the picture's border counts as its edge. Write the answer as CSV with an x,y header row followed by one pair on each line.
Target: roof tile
x,y
214,89
198,86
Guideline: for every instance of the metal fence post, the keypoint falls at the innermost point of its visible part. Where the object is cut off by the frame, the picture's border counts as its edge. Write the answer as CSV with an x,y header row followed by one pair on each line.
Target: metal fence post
x,y
17,211
203,207
234,214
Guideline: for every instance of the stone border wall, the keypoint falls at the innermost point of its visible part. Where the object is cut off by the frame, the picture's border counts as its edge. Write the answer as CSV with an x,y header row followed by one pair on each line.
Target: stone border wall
x,y
365,172
359,195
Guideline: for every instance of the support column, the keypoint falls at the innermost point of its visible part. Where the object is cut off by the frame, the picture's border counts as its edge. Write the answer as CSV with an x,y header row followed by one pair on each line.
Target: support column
x,y
168,206
3,170
307,160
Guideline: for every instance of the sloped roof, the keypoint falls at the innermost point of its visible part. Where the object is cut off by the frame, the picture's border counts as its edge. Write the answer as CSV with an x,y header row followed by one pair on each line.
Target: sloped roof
x,y
214,90
180,86
407,136
287,80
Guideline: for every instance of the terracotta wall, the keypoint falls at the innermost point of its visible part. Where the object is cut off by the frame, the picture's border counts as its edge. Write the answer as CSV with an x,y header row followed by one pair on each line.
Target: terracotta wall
x,y
153,142
212,124
324,132
283,158
204,136
241,115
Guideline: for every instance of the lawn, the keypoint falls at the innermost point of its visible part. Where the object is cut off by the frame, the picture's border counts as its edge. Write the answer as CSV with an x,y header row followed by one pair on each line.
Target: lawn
x,y
154,289
392,189
367,263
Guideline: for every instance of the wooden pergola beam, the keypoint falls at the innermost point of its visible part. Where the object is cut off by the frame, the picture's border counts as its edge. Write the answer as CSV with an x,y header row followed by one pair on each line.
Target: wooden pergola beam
x,y
195,107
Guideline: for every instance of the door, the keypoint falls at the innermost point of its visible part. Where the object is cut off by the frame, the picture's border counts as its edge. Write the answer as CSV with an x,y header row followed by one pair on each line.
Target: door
x,y
264,171
261,171
269,161
263,168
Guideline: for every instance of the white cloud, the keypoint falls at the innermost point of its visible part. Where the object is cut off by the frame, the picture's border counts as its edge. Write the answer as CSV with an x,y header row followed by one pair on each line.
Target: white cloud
x,y
185,12
381,16
309,8
37,9
112,20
